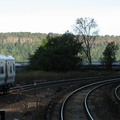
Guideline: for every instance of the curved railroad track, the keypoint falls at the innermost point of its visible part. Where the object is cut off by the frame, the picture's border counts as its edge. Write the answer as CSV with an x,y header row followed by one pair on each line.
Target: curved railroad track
x,y
58,82
117,93
27,92
72,103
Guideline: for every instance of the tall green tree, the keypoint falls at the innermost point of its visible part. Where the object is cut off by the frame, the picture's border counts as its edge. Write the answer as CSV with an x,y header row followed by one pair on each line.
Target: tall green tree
x,y
87,29
57,54
109,55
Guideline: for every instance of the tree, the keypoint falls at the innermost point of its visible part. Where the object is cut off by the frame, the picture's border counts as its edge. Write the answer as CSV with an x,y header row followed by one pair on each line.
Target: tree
x,y
57,54
86,28
109,55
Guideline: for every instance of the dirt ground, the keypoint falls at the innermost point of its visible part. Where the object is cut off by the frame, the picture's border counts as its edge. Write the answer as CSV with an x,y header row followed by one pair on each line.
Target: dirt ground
x,y
28,105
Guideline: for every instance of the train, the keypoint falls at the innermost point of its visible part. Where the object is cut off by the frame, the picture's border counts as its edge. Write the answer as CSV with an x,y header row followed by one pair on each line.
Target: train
x,y
7,73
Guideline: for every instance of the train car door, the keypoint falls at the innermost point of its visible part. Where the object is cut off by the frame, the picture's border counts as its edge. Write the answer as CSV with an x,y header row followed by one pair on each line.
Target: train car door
x,y
2,72
6,71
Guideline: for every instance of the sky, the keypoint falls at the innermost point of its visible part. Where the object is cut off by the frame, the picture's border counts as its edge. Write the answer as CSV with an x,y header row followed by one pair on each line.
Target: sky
x,y
58,16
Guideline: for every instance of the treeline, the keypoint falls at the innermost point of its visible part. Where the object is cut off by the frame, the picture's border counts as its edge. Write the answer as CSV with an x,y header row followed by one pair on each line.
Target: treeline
x,y
99,47
19,51
22,44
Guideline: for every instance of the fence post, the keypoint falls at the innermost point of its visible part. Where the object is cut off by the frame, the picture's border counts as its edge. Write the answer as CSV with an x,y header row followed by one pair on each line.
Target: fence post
x,y
2,114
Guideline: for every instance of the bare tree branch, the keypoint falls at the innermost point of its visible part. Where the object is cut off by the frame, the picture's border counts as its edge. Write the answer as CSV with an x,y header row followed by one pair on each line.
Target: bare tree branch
x,y
87,29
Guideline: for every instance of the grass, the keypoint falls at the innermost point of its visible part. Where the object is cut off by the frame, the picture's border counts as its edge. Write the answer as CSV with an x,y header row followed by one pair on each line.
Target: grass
x,y
26,77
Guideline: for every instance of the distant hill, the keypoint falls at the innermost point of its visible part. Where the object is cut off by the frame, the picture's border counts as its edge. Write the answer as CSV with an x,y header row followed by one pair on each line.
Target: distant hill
x,y
22,44
21,37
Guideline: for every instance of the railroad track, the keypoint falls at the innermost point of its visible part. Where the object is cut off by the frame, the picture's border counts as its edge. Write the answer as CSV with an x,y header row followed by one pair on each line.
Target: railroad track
x,y
64,81
93,94
72,103
117,93
30,89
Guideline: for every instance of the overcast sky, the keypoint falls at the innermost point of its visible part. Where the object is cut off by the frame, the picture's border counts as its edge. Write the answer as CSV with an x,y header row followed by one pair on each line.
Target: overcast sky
x,y
58,16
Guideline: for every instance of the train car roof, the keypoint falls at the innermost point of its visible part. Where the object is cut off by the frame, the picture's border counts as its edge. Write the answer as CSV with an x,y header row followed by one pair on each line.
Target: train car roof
x,y
5,57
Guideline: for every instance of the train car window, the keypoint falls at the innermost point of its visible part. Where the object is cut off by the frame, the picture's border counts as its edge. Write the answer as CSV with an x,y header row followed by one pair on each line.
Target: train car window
x,y
1,70
10,69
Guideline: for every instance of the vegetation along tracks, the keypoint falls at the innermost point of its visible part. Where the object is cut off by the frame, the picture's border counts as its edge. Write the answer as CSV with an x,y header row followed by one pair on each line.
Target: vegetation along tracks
x,y
72,103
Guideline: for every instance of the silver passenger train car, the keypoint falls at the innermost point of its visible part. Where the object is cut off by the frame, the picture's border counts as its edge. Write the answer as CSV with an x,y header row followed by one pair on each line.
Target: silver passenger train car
x,y
7,72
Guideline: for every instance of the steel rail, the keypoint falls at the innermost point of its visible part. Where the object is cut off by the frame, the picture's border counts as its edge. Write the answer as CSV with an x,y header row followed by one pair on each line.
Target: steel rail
x,y
86,98
66,99
116,93
63,80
